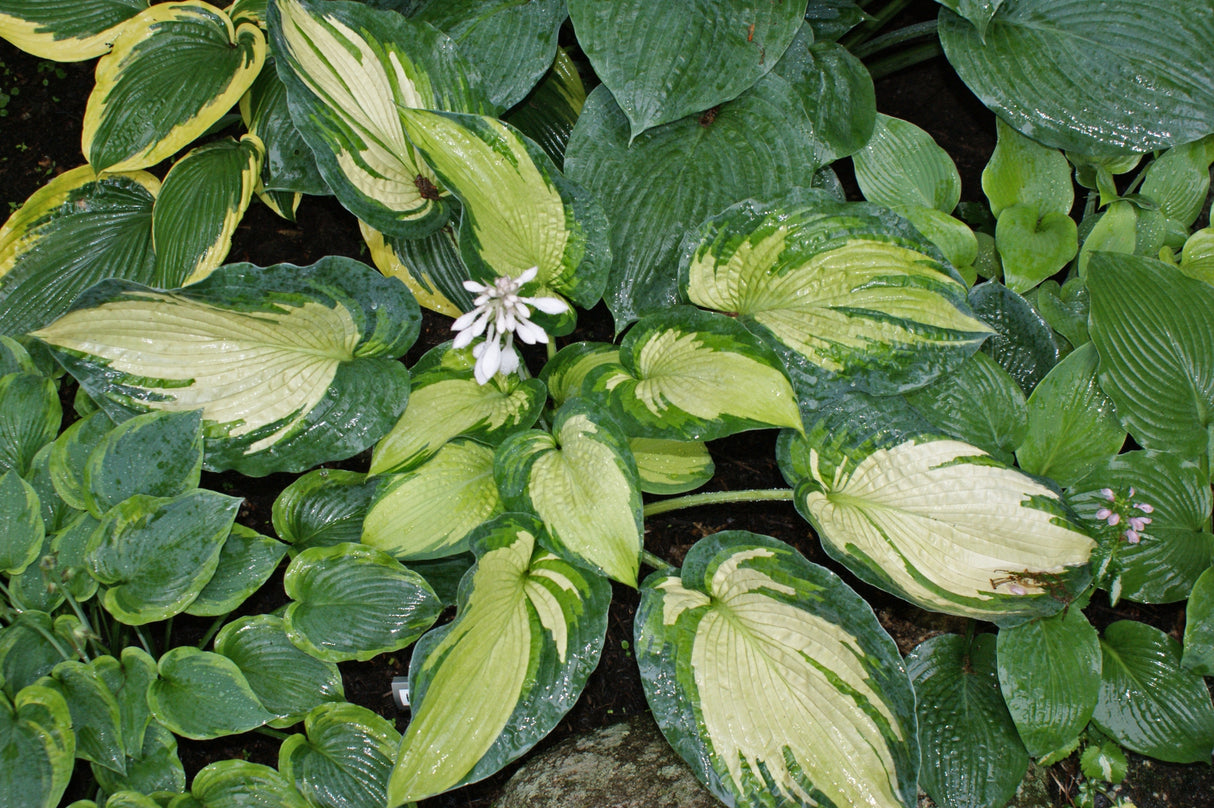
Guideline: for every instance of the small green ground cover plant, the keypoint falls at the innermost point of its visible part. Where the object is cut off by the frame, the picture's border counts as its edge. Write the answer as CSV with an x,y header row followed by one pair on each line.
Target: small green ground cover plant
x,y
993,412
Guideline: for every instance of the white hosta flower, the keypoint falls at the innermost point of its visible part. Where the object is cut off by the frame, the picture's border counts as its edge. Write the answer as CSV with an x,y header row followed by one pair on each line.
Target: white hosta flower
x,y
499,313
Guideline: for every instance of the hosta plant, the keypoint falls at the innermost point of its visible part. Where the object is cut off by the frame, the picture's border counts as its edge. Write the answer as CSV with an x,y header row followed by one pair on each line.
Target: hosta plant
x,y
1001,452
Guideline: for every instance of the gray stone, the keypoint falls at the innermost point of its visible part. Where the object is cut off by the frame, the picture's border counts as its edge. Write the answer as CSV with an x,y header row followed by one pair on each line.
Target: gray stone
x,y
626,765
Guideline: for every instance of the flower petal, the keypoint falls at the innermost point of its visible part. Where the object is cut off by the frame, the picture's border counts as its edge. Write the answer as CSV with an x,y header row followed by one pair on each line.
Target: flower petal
x,y
548,305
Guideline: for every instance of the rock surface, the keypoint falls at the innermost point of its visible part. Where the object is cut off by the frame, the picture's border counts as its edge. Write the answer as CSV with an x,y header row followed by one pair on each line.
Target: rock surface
x,y
627,765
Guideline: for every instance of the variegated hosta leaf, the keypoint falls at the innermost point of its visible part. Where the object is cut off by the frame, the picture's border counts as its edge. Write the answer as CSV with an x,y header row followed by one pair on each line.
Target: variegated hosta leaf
x,y
581,481
239,783
21,528
848,292
944,525
30,414
39,747
671,177
76,230
446,402
773,679
429,511
205,195
157,453
671,466
680,374
287,681
202,695
430,266
65,30
355,602
565,373
349,69
154,555
290,366
519,211
71,451
246,561
96,716
188,62
323,507
489,685
289,164
345,759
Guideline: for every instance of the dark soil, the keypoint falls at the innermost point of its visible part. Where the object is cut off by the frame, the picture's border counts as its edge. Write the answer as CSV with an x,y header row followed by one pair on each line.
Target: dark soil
x,y
41,108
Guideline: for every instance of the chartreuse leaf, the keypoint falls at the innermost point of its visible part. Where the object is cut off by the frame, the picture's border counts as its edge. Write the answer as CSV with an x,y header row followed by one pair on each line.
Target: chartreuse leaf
x,y
1023,343
512,44
953,237
581,481
73,232
446,402
1179,180
519,212
246,561
671,466
188,62
204,197
428,511
1115,231
157,453
201,695
39,748
96,716
1175,546
1072,425
21,528
972,754
847,291
1148,702
1033,246
239,783
288,682
1049,672
344,760
679,374
773,679
1154,330
1197,255
323,507
65,30
902,165
289,165
489,685
154,554
667,60
1199,626
290,366
942,524
1128,79
670,178
355,602
979,404
552,108
349,69
1023,172
430,266
30,415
